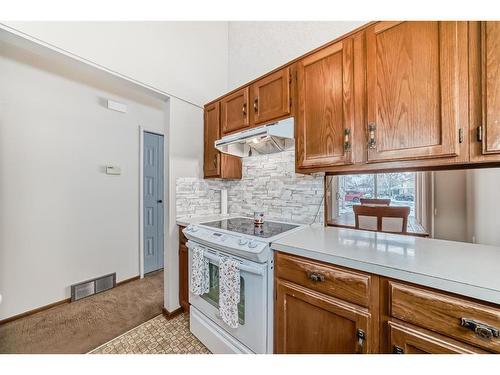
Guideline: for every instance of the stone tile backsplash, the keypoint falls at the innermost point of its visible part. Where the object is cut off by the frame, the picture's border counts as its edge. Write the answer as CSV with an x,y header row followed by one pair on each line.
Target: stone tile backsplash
x,y
269,184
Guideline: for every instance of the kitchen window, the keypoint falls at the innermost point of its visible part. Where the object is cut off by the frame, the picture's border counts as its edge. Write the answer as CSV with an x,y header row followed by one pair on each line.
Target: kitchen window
x,y
402,188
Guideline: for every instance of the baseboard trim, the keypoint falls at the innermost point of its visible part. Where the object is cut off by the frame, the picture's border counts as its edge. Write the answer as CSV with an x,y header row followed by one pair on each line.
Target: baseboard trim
x,y
34,311
54,304
128,280
169,315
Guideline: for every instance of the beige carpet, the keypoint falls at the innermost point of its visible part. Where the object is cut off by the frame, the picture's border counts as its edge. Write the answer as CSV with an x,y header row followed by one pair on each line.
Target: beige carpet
x,y
81,326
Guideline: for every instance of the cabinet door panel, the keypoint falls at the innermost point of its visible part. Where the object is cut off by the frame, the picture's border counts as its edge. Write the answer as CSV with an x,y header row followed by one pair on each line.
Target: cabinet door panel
x,y
310,322
211,156
271,97
326,106
490,36
234,111
412,89
411,340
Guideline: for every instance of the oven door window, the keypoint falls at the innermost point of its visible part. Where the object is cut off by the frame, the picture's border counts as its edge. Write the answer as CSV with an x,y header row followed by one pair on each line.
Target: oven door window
x,y
212,296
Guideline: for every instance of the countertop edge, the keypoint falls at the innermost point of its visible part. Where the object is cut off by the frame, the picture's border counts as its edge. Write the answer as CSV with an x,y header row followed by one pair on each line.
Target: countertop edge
x,y
462,289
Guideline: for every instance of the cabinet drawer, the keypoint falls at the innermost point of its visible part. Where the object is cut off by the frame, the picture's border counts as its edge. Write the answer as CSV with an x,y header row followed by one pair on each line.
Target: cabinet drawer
x,y
336,282
406,339
467,321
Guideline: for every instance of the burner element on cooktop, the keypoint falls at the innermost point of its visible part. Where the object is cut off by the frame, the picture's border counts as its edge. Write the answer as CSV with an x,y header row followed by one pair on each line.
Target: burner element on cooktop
x,y
247,226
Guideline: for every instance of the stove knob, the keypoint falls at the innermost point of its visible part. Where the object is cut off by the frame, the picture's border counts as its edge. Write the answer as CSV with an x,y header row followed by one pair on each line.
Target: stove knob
x,y
189,228
242,241
252,244
194,229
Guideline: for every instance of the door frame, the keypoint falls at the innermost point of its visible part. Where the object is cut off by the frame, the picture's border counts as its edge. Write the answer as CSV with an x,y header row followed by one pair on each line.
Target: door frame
x,y
142,130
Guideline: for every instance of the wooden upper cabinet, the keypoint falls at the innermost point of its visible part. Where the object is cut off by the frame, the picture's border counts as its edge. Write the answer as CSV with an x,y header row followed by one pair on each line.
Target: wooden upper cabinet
x,y
211,157
235,111
307,322
325,116
413,76
215,163
490,51
270,97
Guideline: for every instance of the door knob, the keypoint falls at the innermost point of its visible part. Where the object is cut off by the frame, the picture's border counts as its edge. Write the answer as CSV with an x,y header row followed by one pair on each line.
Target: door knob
x,y
159,201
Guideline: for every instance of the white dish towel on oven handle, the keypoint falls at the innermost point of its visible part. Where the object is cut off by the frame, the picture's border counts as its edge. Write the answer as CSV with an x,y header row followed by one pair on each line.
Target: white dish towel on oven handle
x,y
200,279
229,291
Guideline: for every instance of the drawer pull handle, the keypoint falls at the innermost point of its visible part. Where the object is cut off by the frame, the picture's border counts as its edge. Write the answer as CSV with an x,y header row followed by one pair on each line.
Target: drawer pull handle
x,y
482,330
315,276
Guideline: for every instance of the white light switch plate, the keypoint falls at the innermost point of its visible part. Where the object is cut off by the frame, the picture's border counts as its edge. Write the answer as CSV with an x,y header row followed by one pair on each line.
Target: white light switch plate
x,y
113,170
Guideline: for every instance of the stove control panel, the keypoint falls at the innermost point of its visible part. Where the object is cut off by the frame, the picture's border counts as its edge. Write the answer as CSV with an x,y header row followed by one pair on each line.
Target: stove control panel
x,y
235,241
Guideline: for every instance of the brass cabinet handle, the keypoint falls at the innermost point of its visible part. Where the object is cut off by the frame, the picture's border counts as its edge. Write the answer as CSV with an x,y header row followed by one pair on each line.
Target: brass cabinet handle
x,y
244,109
480,329
372,143
315,276
215,161
256,105
361,335
347,142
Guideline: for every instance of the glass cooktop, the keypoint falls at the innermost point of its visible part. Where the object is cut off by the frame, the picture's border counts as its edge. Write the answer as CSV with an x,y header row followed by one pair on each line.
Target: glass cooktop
x,y
246,226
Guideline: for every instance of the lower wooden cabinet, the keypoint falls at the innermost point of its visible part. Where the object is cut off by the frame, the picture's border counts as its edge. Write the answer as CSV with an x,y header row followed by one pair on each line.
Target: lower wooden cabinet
x,y
405,339
322,308
308,322
183,271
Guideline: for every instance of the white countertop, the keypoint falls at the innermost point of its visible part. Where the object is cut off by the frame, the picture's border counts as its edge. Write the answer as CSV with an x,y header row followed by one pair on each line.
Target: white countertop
x,y
467,269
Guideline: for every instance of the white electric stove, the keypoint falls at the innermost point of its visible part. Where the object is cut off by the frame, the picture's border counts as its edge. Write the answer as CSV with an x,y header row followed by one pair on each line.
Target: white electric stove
x,y
240,239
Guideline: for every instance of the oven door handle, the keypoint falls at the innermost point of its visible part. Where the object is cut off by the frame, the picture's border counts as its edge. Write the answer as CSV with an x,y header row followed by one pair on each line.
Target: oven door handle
x,y
242,267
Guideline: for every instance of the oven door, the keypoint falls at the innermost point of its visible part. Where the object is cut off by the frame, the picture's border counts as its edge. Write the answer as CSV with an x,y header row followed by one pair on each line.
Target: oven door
x,y
252,309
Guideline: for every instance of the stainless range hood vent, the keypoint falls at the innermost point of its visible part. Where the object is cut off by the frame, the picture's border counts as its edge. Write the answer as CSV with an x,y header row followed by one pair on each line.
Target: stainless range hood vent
x,y
267,139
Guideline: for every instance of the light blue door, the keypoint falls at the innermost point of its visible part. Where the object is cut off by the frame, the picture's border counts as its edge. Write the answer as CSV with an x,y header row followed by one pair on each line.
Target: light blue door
x,y
153,202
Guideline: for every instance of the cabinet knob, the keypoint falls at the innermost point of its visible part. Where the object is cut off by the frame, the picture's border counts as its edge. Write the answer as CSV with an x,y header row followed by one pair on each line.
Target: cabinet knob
x,y
256,105
244,109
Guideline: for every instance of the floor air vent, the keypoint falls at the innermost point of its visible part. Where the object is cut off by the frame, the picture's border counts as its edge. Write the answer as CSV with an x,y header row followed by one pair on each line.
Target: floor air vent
x,y
93,286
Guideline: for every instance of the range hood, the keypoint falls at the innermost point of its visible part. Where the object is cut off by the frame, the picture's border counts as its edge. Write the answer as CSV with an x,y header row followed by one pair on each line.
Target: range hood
x,y
267,139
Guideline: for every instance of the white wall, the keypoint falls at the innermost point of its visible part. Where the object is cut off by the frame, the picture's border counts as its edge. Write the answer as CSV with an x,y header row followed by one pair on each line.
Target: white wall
x,y
186,160
62,219
450,219
256,47
188,60
484,206
185,59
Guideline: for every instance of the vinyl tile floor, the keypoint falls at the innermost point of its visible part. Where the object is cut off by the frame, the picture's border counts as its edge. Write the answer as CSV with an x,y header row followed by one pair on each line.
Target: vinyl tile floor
x,y
156,336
